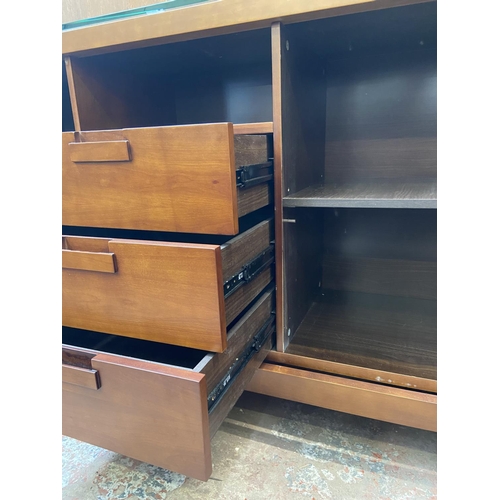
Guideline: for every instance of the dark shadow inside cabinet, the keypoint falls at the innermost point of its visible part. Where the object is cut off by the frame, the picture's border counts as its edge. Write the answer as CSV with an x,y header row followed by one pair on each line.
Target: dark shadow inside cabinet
x,y
218,79
360,194
67,115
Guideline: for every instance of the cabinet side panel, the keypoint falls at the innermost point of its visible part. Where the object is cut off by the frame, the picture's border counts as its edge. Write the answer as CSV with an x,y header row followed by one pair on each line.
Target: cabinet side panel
x,y
303,102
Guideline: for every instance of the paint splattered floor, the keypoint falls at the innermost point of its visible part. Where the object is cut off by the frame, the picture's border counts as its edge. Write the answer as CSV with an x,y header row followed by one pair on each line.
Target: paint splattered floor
x,y
270,448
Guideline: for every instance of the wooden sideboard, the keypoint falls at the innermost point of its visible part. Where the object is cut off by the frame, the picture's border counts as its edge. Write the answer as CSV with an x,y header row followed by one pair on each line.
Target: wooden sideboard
x,y
249,203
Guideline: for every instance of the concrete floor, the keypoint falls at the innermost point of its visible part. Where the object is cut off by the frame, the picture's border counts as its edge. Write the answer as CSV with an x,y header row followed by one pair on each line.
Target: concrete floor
x,y
270,448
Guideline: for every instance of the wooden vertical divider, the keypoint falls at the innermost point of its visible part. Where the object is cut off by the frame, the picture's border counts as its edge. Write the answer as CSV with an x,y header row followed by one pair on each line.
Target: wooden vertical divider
x,y
72,93
278,184
299,93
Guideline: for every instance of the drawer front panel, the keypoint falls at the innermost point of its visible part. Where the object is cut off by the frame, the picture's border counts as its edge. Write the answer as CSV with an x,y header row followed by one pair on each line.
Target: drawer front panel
x,y
150,412
178,178
165,292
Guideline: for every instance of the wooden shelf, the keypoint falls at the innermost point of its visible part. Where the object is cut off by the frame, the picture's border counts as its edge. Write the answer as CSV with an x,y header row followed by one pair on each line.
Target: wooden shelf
x,y
380,332
369,194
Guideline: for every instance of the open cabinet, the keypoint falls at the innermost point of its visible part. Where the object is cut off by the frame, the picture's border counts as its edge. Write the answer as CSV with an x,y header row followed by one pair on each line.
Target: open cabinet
x,y
247,207
357,106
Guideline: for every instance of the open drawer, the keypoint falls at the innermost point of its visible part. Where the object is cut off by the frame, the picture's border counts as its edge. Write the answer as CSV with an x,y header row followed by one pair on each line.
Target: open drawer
x,y
177,293
157,403
189,178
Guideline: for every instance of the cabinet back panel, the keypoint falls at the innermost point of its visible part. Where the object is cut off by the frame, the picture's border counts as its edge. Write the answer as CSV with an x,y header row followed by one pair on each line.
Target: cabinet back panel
x,y
380,69
408,234
404,278
389,252
242,95
375,32
381,117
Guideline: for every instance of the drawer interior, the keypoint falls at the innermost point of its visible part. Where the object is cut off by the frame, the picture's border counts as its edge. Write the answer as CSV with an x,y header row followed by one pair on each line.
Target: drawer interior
x,y
216,79
123,346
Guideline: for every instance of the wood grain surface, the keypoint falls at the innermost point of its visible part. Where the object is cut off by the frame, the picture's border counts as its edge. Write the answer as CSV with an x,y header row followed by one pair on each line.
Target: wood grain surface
x,y
165,292
405,278
254,197
302,114
365,160
352,371
68,123
81,376
391,404
242,297
77,357
96,152
243,248
89,261
277,81
381,114
240,384
211,18
392,334
253,128
368,194
303,248
251,149
179,179
381,234
238,338
150,412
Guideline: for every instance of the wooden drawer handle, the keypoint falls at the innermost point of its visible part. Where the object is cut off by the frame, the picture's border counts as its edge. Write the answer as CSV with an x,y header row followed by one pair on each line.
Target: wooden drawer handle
x,y
89,261
81,376
97,152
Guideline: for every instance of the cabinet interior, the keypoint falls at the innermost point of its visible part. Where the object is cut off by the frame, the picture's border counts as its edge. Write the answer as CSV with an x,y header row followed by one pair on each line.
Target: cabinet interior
x,y
218,79
373,300
363,92
67,115
359,179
